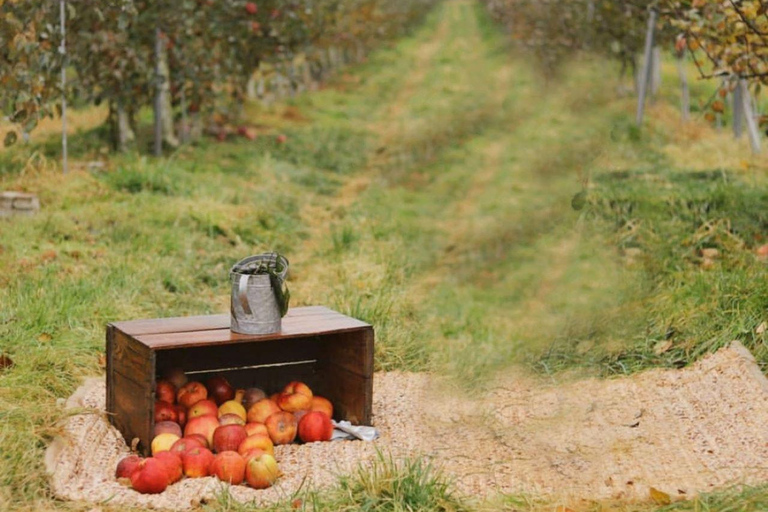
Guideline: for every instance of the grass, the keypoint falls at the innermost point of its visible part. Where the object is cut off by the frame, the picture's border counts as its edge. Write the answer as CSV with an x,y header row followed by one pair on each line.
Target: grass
x,y
384,485
428,192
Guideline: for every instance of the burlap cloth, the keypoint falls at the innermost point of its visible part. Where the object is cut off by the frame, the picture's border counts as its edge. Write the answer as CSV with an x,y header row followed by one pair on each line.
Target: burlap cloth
x,y
681,431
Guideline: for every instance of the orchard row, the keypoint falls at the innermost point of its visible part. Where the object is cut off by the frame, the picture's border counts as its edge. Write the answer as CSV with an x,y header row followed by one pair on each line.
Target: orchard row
x,y
191,55
726,40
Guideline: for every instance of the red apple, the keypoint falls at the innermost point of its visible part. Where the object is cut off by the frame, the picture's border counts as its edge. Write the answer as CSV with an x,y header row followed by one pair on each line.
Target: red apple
x,y
173,465
229,467
281,427
256,428
228,438
292,402
315,426
219,389
298,387
251,396
232,407
258,441
199,437
204,425
202,408
190,393
166,427
282,139
182,413
261,410
231,419
163,443
197,462
300,414
251,8
150,477
165,391
255,27
165,412
185,444
255,452
261,471
127,466
175,376
322,404
295,397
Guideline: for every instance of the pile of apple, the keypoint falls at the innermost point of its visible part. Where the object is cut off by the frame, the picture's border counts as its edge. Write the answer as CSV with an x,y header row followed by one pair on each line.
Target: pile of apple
x,y
216,430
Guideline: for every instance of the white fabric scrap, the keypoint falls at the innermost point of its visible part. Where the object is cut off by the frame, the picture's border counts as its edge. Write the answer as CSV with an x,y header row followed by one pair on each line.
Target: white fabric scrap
x,y
344,430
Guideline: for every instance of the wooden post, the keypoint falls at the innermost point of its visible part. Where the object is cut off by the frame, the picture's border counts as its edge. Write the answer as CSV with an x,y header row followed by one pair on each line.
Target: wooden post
x,y
158,95
685,96
746,104
738,111
645,77
63,50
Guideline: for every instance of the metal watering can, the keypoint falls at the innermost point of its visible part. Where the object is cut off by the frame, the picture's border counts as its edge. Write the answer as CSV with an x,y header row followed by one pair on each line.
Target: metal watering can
x,y
257,306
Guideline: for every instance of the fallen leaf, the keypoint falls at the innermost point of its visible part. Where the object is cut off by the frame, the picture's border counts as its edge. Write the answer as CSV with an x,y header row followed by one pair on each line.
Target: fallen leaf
x,y
660,497
760,329
5,362
102,361
563,508
44,338
49,255
662,346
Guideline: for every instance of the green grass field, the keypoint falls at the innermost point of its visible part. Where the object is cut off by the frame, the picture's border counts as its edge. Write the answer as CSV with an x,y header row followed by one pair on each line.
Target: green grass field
x,y
428,192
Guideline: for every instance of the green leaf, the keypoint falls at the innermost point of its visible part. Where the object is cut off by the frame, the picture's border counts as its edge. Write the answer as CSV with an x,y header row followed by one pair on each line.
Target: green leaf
x,y
579,201
10,138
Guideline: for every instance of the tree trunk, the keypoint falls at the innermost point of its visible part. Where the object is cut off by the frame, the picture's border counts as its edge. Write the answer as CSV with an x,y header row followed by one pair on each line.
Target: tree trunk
x,y
360,52
645,77
250,87
120,127
169,133
754,134
125,134
738,111
656,71
158,109
685,98
307,75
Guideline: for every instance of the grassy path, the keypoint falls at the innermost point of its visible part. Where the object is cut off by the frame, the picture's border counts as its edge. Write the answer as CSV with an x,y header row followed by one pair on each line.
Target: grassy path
x,y
456,233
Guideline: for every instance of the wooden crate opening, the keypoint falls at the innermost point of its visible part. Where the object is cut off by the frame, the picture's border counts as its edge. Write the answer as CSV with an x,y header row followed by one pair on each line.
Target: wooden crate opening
x,y
330,352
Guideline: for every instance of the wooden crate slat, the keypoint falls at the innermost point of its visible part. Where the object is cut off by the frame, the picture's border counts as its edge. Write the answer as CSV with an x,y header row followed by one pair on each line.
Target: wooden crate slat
x,y
350,393
298,328
209,357
204,322
351,351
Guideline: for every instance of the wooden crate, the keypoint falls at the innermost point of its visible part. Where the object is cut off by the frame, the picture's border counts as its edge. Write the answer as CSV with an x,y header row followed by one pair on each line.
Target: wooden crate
x,y
331,352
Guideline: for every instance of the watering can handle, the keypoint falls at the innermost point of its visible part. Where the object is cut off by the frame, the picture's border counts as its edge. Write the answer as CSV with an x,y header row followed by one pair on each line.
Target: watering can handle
x,y
242,293
273,257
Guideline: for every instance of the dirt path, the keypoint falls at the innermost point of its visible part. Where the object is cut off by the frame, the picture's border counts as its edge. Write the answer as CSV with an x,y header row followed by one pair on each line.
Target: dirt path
x,y
682,431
